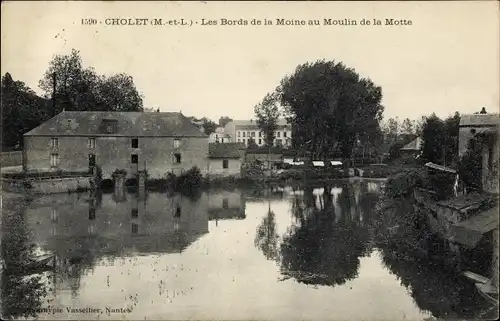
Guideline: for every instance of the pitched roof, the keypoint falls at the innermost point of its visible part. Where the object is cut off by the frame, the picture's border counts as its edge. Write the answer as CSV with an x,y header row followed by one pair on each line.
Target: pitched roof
x,y
413,145
252,124
479,120
225,150
89,123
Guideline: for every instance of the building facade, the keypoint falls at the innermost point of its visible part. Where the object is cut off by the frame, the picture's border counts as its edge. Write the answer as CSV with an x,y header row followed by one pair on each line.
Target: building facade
x,y
130,141
242,131
219,136
470,125
226,159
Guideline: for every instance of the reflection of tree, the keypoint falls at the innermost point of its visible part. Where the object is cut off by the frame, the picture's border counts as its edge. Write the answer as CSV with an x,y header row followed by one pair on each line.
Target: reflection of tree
x,y
320,251
421,262
266,237
21,294
445,294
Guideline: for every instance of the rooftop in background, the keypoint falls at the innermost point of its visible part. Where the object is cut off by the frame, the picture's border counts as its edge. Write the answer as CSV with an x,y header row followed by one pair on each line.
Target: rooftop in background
x,y
414,145
252,123
483,119
225,150
88,123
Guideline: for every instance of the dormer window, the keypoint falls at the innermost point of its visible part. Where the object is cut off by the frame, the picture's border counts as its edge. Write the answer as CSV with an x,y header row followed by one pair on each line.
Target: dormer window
x,y
109,126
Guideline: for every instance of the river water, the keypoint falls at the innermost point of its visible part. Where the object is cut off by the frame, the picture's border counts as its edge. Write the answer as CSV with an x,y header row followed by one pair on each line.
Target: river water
x,y
274,254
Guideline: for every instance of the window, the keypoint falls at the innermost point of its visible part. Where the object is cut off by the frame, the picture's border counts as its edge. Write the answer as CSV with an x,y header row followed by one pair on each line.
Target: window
x,y
473,131
135,228
92,213
239,134
225,163
177,143
253,134
135,142
243,134
134,213
53,217
278,142
260,134
239,140
260,141
278,134
134,159
91,142
109,128
225,203
54,160
177,158
284,134
54,142
177,211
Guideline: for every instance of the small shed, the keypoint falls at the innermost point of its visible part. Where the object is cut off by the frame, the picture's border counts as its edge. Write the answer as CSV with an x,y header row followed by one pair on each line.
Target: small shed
x,y
225,159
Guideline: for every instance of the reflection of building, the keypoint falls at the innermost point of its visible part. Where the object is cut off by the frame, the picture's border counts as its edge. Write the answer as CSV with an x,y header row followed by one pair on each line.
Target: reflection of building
x,y
244,130
226,205
131,141
159,224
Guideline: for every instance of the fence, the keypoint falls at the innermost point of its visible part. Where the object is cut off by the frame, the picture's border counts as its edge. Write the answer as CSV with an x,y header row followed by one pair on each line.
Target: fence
x,y
14,158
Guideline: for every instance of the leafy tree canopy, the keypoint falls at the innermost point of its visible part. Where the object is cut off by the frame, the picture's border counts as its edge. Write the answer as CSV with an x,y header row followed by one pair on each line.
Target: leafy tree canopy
x,y
331,107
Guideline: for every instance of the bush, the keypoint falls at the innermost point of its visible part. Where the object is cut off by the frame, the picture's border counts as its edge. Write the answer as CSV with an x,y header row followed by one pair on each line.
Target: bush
x,y
403,184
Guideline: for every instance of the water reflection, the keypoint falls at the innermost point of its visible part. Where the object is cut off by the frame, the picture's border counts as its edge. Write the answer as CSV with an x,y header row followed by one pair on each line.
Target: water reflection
x,y
421,264
266,237
21,293
325,244
238,244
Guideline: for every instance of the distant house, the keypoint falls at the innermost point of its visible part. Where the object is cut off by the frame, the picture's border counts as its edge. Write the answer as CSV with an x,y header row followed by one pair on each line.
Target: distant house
x,y
241,131
412,149
225,159
159,142
470,125
263,156
219,136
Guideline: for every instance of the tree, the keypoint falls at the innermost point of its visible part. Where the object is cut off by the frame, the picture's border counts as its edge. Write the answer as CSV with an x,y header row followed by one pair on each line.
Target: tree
x,y
391,131
452,124
209,126
118,93
267,113
330,108
408,127
252,144
22,110
224,120
433,136
79,88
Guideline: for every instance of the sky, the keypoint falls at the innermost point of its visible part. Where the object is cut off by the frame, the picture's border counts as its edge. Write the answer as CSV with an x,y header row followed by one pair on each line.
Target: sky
x,y
447,60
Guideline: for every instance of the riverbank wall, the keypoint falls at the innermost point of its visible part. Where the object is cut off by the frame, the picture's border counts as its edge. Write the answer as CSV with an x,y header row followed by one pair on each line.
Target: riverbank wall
x,y
47,185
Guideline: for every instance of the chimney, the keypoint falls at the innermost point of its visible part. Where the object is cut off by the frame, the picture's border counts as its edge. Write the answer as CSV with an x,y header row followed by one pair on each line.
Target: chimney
x,y
483,110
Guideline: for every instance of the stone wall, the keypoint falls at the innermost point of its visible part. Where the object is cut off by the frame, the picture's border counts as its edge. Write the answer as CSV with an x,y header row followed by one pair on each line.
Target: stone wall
x,y
155,154
8,159
47,186
216,168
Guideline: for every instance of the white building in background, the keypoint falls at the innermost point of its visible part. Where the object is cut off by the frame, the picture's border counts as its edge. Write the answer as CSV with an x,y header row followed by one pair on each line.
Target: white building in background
x,y
219,136
241,131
